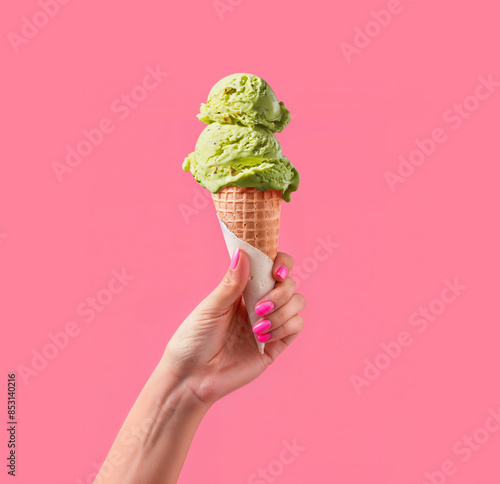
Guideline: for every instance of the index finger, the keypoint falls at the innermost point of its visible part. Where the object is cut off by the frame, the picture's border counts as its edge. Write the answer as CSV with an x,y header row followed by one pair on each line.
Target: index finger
x,y
283,264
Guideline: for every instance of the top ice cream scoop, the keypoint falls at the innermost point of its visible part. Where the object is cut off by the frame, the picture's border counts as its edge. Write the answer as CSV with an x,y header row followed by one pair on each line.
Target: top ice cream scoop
x,y
246,100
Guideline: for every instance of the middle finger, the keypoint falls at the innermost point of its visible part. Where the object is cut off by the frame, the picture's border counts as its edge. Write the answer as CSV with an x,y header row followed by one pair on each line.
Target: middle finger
x,y
276,298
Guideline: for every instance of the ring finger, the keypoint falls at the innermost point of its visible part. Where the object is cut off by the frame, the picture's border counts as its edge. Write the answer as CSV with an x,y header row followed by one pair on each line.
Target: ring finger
x,y
294,306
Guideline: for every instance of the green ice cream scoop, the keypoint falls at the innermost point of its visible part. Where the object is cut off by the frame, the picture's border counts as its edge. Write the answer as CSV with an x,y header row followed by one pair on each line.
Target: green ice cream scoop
x,y
234,155
246,100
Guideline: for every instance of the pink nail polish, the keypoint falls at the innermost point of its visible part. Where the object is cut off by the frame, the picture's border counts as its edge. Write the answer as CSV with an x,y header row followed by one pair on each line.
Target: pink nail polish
x,y
263,337
261,326
235,259
282,272
264,308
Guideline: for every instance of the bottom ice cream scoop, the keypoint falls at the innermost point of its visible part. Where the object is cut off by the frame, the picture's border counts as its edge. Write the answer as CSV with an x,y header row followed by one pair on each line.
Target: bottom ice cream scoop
x,y
232,155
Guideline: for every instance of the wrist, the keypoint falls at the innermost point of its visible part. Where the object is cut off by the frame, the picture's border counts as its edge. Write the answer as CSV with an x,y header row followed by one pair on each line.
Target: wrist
x,y
188,391
156,435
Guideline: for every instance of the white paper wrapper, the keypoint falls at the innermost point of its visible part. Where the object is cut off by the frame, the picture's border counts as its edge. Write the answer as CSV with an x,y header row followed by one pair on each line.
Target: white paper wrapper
x,y
261,280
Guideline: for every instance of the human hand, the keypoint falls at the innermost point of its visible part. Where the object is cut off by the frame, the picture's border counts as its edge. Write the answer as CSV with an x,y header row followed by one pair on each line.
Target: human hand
x,y
214,350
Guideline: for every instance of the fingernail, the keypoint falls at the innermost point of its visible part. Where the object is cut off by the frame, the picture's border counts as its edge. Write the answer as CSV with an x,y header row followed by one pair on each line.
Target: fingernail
x,y
261,326
263,337
235,259
282,272
264,308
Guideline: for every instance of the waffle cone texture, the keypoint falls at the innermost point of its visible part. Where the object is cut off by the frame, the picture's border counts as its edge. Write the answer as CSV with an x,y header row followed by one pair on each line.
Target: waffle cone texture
x,y
252,215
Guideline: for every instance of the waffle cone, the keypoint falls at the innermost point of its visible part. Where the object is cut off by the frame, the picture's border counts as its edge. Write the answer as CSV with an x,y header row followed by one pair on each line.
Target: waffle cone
x,y
252,215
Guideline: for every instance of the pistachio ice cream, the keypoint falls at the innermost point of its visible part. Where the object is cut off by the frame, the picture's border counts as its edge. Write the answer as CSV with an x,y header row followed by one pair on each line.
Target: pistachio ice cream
x,y
247,100
237,148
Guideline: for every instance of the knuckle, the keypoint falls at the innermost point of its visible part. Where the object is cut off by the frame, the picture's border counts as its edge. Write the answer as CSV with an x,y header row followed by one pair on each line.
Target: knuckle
x,y
283,294
285,291
229,282
285,259
299,323
300,299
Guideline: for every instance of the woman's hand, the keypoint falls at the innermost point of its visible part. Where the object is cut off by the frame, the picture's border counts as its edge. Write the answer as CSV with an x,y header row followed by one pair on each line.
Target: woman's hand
x,y
214,351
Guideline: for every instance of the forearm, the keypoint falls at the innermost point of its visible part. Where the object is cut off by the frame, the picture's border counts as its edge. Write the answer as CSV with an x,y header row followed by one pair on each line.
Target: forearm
x,y
153,442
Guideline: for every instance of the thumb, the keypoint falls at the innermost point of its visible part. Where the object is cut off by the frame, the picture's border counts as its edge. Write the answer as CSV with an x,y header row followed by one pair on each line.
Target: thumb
x,y
233,283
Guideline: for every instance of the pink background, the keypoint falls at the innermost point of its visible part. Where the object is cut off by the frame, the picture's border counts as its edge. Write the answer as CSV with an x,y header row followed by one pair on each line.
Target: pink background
x,y
122,208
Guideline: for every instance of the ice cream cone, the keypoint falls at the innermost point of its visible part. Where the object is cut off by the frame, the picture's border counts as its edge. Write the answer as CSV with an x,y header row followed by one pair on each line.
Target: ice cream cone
x,y
238,147
251,215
